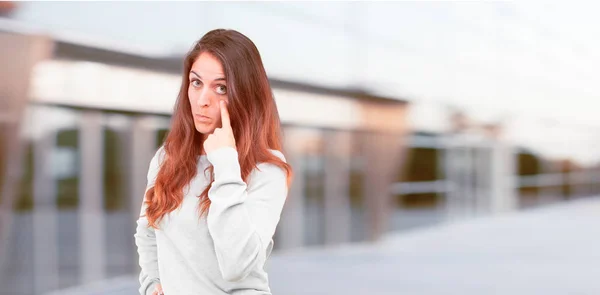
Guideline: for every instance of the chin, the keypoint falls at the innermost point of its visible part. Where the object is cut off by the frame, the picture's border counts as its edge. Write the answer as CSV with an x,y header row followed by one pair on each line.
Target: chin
x,y
204,129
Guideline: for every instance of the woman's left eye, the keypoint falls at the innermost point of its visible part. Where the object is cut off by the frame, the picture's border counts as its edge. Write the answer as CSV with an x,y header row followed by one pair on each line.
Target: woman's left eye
x,y
221,89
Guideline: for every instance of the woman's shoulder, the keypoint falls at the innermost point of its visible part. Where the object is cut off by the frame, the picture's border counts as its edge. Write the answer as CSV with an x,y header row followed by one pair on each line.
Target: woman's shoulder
x,y
268,169
268,172
279,154
155,163
159,157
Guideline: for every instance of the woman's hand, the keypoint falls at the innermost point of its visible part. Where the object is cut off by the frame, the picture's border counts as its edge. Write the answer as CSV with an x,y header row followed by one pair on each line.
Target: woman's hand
x,y
158,290
221,137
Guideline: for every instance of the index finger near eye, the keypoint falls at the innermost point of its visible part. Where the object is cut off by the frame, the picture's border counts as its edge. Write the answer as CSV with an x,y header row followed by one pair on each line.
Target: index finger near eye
x,y
225,114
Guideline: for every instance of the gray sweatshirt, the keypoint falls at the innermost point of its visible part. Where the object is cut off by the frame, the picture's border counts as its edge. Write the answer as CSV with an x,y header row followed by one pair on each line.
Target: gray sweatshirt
x,y
225,251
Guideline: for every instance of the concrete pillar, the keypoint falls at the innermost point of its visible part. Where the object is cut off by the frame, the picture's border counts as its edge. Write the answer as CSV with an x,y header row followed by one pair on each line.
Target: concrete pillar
x,y
452,177
45,240
383,137
483,172
19,56
511,157
142,144
385,155
504,194
469,178
290,231
337,185
143,147
459,170
91,206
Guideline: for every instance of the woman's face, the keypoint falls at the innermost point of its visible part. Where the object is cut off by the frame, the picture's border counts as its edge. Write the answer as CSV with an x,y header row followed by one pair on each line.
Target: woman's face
x,y
207,86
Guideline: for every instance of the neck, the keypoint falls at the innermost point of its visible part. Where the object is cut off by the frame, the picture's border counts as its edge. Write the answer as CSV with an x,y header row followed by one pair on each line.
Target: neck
x,y
204,136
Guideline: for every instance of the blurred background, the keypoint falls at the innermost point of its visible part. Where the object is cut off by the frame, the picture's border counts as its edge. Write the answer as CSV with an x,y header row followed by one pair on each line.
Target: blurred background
x,y
438,147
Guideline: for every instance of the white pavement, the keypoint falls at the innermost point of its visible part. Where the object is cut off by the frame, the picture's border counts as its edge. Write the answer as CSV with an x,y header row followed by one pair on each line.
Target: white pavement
x,y
551,250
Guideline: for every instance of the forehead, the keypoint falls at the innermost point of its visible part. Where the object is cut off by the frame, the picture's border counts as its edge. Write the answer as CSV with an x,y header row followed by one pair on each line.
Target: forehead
x,y
207,66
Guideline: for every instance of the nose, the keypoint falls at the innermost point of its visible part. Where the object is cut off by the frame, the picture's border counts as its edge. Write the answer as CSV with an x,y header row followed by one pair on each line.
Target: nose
x,y
204,98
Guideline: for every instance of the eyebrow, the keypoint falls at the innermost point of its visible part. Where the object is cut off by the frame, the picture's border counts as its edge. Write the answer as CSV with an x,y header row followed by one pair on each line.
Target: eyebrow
x,y
218,79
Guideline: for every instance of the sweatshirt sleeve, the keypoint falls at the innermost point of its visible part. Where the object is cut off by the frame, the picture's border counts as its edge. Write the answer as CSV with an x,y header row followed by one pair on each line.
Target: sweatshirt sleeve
x,y
145,238
242,218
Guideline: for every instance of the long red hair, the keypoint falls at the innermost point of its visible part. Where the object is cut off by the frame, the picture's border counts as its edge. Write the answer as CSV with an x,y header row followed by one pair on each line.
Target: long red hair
x,y
254,120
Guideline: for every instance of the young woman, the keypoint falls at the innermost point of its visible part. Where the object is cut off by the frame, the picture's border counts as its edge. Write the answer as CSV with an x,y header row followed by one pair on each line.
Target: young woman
x,y
217,186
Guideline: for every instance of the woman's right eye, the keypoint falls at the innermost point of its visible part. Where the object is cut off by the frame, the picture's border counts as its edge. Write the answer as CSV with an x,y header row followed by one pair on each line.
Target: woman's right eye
x,y
196,83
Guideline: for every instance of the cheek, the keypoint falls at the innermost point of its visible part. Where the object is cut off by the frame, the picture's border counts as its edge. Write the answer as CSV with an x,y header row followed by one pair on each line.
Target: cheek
x,y
191,96
218,114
